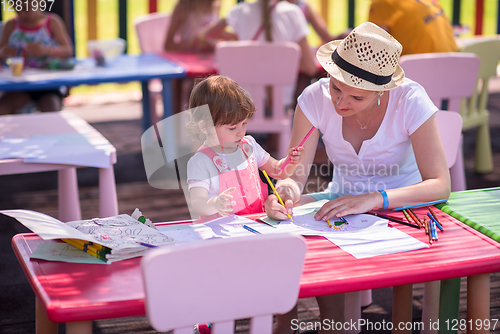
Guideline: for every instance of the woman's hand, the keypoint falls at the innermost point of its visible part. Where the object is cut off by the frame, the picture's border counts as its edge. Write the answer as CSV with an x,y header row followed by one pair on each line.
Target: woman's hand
x,y
349,204
7,52
275,210
224,202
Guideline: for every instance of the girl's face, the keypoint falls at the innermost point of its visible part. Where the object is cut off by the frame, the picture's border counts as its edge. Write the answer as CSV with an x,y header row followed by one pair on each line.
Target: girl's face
x,y
348,100
229,135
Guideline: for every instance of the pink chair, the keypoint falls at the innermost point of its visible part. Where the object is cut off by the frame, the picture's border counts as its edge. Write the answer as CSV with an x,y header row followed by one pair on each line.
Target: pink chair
x,y
151,31
445,76
256,65
218,281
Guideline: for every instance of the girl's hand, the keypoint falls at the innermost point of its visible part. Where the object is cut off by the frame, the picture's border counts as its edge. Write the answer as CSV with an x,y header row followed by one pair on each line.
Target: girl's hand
x,y
296,155
348,205
36,49
275,210
7,52
224,202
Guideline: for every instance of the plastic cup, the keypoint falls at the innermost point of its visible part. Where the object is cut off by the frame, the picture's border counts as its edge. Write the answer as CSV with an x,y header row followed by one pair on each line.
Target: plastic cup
x,y
16,66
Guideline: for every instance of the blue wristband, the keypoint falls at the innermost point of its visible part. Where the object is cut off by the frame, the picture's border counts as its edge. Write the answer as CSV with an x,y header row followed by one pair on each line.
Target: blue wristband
x,y
386,199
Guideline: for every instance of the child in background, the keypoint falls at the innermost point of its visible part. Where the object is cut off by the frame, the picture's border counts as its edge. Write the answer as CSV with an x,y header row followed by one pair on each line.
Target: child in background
x,y
187,20
223,175
40,37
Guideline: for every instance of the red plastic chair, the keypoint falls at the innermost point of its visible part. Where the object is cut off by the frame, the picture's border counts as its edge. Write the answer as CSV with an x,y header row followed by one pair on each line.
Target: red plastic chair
x,y
256,65
218,281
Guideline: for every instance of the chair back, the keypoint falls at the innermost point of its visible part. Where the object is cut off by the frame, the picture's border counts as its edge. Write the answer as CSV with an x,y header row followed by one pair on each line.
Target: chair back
x,y
220,280
488,52
450,131
448,76
152,31
255,66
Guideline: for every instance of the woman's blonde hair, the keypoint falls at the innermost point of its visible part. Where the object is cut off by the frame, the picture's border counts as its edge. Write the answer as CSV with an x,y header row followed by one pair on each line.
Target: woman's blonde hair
x,y
227,101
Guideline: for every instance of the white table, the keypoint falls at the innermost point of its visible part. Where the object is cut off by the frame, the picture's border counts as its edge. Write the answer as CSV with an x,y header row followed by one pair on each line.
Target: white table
x,y
62,123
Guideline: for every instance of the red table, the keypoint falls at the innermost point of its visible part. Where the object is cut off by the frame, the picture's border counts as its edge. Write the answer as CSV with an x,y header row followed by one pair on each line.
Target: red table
x,y
76,294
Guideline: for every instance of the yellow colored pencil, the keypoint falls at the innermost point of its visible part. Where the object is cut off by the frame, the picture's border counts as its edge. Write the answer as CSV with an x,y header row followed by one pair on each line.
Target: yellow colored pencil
x,y
275,192
329,224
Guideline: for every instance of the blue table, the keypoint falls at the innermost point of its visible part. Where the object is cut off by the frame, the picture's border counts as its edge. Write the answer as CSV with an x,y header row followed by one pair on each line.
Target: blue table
x,y
125,68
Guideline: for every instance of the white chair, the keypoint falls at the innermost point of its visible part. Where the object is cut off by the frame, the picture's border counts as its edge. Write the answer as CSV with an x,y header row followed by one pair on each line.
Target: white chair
x,y
445,76
255,66
220,280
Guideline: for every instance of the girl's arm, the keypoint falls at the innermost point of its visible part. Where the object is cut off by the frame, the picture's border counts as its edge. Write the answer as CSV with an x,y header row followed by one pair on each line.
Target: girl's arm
x,y
273,166
65,47
204,206
319,25
431,162
176,19
5,50
218,30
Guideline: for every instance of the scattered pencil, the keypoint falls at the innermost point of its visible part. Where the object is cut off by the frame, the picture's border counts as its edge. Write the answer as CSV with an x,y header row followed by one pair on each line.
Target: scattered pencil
x,y
436,218
329,224
415,218
408,218
402,222
419,205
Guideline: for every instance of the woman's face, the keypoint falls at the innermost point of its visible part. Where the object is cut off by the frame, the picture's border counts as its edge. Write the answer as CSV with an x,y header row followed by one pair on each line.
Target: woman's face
x,y
348,100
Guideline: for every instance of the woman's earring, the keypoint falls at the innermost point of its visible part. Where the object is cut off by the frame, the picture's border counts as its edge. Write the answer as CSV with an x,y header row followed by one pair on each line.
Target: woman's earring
x,y
378,101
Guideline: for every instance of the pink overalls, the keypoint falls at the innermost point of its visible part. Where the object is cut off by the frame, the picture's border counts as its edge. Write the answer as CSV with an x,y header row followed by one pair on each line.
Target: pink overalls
x,y
250,193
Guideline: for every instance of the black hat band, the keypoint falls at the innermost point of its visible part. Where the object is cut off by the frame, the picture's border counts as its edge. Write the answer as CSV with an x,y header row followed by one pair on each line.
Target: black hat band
x,y
359,72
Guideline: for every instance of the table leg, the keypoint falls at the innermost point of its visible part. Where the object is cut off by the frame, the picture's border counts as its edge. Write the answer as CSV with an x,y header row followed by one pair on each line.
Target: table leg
x,y
79,327
168,109
69,202
430,307
449,305
108,202
402,296
478,303
146,106
42,323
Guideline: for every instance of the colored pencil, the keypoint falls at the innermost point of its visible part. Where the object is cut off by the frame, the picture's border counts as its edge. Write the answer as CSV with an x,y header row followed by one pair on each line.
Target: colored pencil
x,y
435,221
145,244
329,224
419,205
300,144
88,250
395,220
433,230
408,218
248,228
89,244
425,226
275,192
415,218
436,218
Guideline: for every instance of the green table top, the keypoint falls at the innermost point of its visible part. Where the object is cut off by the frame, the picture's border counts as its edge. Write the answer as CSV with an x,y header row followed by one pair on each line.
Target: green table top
x,y
477,208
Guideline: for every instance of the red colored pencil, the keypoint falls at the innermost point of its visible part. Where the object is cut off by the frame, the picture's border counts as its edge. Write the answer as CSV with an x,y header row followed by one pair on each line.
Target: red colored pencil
x,y
300,144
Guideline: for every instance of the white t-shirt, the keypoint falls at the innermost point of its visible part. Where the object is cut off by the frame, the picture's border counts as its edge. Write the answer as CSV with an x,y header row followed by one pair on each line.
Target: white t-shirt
x,y
201,171
288,22
288,25
385,161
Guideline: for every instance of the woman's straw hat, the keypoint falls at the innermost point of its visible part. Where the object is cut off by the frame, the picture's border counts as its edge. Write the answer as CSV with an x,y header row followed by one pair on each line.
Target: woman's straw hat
x,y
367,59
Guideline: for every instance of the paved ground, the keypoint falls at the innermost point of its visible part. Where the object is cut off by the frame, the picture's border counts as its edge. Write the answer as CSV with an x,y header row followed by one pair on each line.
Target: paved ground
x,y
120,123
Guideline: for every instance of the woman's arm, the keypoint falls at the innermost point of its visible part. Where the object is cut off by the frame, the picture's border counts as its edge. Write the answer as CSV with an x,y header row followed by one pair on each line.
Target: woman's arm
x,y
431,162
290,189
307,60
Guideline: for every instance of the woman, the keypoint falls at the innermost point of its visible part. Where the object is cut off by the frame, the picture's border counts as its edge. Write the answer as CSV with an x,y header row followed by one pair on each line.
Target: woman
x,y
379,131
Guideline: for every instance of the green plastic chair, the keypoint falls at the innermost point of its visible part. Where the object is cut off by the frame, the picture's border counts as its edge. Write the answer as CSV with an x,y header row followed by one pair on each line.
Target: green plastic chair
x,y
473,110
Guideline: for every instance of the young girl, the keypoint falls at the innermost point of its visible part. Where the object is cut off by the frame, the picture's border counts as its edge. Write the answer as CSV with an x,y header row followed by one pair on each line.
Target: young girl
x,y
188,18
223,175
40,37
